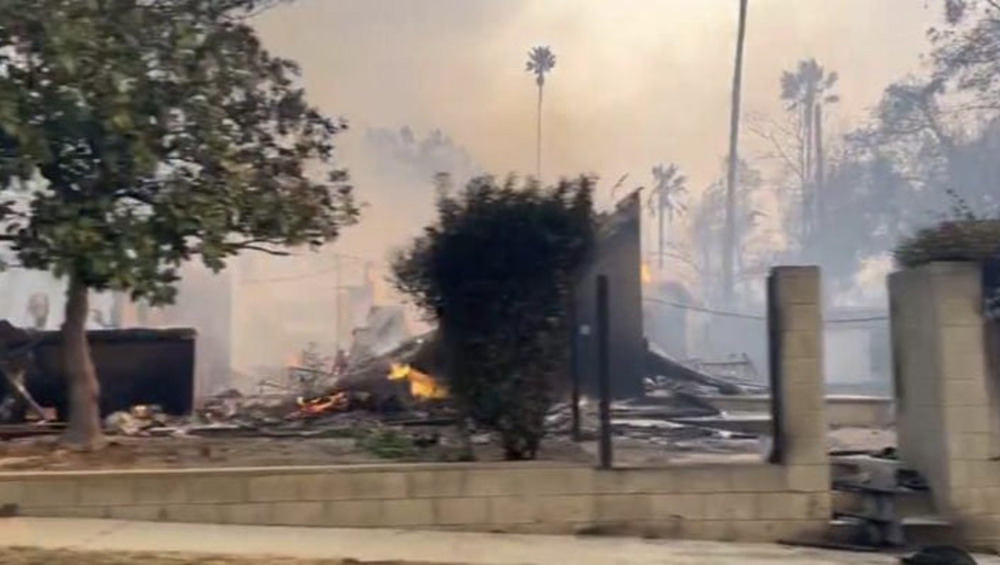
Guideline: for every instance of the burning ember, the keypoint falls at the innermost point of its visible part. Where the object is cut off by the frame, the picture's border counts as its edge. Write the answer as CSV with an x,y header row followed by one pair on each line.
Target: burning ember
x,y
422,385
330,403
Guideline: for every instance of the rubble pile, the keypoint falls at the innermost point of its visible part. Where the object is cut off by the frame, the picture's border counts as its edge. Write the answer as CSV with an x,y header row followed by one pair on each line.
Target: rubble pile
x,y
666,375
662,423
385,398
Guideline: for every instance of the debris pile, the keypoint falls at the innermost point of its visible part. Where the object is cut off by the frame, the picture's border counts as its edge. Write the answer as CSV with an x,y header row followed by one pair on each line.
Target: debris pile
x,y
666,375
666,423
385,397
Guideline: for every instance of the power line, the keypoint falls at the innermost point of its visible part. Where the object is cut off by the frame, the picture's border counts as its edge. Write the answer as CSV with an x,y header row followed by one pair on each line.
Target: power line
x,y
859,320
332,270
693,308
289,278
759,318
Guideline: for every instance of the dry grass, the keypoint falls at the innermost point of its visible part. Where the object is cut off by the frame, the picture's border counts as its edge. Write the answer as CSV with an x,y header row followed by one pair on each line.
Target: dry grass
x,y
953,240
25,556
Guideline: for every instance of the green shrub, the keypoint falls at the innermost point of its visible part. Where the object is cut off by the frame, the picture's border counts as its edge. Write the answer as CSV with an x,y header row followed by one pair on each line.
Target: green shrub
x,y
495,272
388,443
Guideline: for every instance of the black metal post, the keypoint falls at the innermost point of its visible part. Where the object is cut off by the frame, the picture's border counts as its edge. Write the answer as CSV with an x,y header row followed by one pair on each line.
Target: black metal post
x,y
574,368
777,455
603,371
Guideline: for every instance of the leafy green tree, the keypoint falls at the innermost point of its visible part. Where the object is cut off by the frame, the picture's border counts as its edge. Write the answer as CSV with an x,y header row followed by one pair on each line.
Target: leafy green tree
x,y
495,272
965,50
149,133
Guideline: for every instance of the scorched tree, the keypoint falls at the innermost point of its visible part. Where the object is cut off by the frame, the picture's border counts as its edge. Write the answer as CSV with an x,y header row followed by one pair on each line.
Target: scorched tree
x,y
146,133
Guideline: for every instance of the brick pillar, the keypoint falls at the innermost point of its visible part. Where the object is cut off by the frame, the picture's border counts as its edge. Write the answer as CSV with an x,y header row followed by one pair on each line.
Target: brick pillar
x,y
947,416
796,328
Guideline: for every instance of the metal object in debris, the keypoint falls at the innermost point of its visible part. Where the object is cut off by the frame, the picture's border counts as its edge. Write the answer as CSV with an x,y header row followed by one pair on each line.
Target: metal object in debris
x,y
16,358
991,289
940,555
38,309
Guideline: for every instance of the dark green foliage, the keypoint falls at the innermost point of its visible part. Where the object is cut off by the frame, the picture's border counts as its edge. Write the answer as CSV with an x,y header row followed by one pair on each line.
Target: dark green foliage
x,y
387,443
144,133
495,272
153,132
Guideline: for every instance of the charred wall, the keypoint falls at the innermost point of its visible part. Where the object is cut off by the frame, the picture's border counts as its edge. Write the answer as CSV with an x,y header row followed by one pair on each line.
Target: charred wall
x,y
135,366
618,256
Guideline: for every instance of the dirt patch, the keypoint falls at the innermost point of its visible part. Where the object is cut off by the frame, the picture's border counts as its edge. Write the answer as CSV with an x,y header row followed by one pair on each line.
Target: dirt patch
x,y
42,454
25,556
866,439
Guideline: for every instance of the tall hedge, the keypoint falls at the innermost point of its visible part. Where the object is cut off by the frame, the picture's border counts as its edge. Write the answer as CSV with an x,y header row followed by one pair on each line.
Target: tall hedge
x,y
495,272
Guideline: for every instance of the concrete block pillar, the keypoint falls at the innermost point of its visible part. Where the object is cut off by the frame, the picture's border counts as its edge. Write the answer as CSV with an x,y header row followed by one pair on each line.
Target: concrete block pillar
x,y
947,402
796,338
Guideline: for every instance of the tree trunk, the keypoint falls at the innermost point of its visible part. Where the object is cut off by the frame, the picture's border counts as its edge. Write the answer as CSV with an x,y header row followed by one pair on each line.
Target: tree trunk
x,y
84,428
820,165
538,140
659,216
729,237
807,170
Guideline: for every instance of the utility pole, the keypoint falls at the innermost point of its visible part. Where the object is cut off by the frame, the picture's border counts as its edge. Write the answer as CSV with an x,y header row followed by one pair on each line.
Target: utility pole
x,y
729,236
338,303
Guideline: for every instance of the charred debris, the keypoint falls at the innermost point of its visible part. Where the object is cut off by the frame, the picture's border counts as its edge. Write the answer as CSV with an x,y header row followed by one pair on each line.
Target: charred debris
x,y
373,389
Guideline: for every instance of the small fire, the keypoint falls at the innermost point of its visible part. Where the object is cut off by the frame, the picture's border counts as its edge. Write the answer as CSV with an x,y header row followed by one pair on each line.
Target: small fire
x,y
422,385
646,274
330,403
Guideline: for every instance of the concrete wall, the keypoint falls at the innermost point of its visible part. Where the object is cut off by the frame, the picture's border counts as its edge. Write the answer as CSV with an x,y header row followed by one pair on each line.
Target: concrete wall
x,y
752,502
796,336
841,411
947,405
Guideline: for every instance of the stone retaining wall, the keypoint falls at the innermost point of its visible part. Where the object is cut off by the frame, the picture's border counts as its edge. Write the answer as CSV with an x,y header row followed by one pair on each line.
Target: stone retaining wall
x,y
720,502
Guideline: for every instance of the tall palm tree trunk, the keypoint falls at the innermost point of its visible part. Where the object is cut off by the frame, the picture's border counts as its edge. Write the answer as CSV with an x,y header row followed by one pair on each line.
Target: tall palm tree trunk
x,y
661,235
807,170
538,140
729,235
820,164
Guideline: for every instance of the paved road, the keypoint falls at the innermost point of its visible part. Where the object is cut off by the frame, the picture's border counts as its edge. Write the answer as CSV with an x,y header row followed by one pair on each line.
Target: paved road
x,y
365,545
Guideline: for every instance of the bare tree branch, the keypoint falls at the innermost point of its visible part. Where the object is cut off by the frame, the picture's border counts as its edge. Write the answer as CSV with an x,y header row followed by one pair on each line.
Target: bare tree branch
x,y
782,153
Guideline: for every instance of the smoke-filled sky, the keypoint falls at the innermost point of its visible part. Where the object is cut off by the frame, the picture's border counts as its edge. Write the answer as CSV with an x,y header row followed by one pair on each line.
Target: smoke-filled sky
x,y
636,82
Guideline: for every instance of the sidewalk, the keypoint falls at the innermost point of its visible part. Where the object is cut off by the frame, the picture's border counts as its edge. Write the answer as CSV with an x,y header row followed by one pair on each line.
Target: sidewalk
x,y
372,545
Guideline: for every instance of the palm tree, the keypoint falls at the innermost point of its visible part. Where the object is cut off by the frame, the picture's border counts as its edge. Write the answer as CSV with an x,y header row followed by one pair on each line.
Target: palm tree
x,y
669,185
729,229
807,90
541,60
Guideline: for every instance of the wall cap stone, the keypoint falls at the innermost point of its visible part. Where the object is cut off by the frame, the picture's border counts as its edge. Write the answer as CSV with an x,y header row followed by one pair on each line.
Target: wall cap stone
x,y
290,469
26,476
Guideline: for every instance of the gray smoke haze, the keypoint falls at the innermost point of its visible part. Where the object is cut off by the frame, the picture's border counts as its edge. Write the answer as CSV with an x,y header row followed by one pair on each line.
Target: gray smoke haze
x,y
637,83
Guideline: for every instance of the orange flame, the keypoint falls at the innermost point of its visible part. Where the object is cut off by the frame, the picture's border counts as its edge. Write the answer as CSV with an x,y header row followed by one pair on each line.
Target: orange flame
x,y
313,406
646,274
422,385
